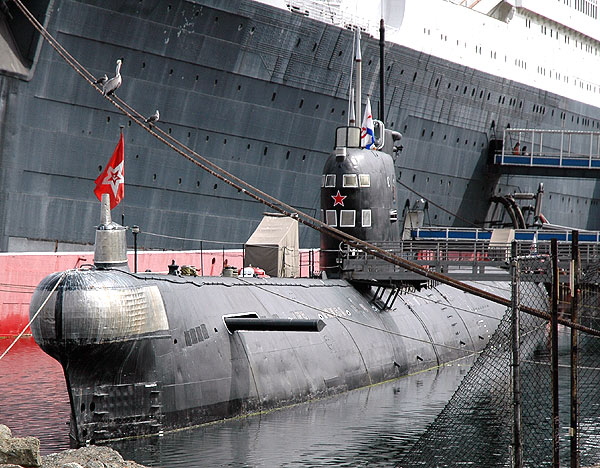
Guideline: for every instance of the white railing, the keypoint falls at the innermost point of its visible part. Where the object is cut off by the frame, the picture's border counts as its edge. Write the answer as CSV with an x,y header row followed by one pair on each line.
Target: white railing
x,y
550,148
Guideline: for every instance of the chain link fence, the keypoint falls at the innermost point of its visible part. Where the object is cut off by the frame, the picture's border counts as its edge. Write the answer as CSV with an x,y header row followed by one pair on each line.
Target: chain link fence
x,y
531,397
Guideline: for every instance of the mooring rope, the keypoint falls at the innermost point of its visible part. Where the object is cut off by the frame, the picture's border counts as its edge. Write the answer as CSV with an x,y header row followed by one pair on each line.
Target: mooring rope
x,y
64,273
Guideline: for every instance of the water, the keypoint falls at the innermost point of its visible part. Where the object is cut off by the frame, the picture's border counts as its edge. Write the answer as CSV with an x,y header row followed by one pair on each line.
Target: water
x,y
372,426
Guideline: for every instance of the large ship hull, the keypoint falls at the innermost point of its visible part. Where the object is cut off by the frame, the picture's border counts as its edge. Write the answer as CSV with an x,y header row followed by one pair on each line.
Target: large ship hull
x,y
258,90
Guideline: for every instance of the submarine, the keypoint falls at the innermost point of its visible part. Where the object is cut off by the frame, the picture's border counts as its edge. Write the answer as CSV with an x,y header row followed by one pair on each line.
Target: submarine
x,y
146,353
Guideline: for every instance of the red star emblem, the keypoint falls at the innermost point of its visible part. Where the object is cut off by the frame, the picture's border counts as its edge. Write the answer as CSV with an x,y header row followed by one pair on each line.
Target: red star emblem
x,y
338,199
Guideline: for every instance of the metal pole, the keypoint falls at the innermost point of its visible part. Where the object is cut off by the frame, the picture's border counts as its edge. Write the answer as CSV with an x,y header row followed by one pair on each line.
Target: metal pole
x,y
381,70
516,370
554,357
575,266
202,258
135,230
358,78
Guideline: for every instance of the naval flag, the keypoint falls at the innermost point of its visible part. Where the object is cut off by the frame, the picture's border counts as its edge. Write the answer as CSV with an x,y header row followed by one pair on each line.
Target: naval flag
x,y
112,179
367,134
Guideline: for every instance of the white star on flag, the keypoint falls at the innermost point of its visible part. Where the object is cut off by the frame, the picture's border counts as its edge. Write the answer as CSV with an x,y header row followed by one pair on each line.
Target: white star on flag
x,y
114,177
112,180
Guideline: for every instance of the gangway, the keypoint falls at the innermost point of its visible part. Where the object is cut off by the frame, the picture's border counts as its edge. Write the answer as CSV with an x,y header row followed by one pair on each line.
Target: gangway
x,y
561,149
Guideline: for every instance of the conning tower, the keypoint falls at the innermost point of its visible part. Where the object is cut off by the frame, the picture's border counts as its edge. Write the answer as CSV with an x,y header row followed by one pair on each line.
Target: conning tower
x,y
358,192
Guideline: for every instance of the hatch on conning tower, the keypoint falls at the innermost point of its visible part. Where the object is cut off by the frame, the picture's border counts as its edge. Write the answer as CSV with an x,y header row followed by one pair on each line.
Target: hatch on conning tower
x,y
274,246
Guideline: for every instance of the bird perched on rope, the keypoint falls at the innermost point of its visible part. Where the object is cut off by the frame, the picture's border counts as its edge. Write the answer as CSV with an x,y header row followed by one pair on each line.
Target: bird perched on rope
x,y
113,84
100,81
153,118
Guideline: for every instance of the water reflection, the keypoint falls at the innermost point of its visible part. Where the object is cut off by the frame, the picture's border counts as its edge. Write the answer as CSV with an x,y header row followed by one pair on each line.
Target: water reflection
x,y
371,427
33,395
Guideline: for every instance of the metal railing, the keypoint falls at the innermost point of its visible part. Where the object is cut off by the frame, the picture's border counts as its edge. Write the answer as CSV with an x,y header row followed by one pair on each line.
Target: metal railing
x,y
468,260
550,148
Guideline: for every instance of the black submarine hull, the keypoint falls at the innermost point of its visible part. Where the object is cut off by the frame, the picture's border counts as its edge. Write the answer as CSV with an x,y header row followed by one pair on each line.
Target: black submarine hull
x,y
147,353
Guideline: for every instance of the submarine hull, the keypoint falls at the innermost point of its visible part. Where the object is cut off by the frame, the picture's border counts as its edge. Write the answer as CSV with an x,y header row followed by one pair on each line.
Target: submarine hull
x,y
148,353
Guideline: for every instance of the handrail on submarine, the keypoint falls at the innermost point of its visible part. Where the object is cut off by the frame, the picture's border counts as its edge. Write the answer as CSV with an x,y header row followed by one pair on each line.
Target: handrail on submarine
x,y
485,260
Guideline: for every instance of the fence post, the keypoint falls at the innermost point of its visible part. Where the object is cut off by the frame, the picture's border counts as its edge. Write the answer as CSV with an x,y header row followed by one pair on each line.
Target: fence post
x,y
575,267
554,356
201,258
516,370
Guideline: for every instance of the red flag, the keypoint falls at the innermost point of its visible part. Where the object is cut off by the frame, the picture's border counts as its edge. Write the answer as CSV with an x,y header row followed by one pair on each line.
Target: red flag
x,y
112,179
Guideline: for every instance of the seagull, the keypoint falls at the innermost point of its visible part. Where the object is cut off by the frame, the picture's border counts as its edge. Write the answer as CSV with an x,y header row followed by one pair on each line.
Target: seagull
x,y
113,84
153,118
100,81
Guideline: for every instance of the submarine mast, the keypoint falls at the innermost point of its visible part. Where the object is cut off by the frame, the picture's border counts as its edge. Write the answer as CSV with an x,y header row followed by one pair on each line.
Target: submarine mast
x,y
358,189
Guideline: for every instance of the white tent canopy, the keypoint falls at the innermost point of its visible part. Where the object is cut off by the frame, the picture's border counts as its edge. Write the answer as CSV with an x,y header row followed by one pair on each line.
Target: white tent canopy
x,y
274,246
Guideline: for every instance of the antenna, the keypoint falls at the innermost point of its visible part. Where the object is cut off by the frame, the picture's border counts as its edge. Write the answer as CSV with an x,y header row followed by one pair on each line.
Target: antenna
x,y
351,114
358,83
381,68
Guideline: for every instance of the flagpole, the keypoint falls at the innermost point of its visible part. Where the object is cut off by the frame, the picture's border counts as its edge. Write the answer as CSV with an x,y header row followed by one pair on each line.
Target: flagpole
x,y
122,212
